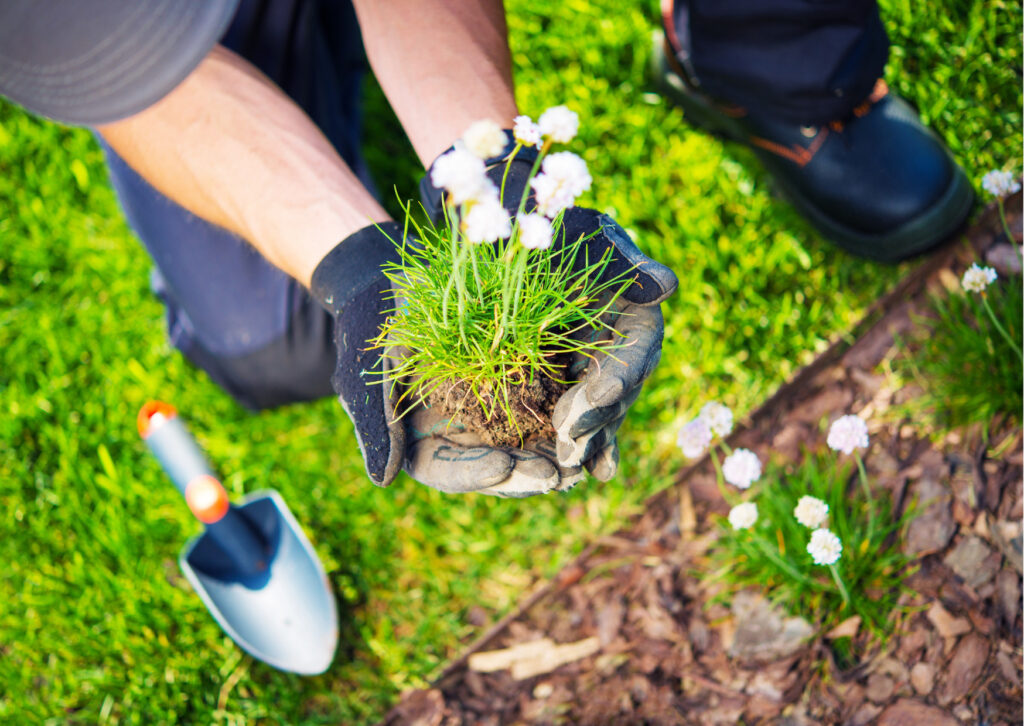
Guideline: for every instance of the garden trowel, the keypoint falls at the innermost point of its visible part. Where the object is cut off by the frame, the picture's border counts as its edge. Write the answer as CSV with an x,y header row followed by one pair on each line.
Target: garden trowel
x,y
252,566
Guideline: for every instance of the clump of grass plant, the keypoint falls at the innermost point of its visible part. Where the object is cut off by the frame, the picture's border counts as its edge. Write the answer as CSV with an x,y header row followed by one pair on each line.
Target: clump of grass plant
x,y
486,304
812,538
966,353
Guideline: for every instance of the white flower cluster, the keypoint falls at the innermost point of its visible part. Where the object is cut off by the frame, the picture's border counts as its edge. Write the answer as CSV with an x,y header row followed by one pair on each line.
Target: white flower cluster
x,y
1000,183
741,468
718,416
694,438
976,279
743,516
825,547
462,173
714,419
811,512
563,177
848,433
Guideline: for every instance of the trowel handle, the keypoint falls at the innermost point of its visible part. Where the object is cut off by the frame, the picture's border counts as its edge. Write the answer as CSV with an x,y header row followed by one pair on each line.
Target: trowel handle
x,y
173,446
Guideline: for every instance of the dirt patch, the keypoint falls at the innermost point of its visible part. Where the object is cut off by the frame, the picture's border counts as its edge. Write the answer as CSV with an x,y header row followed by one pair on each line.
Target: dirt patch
x,y
530,404
667,655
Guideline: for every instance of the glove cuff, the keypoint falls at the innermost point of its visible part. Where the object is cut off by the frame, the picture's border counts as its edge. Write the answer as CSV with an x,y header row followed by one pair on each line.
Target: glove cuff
x,y
431,196
354,265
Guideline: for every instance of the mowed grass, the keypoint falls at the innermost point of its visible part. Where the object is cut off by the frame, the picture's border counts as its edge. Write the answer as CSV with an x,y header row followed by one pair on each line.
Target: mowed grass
x,y
98,626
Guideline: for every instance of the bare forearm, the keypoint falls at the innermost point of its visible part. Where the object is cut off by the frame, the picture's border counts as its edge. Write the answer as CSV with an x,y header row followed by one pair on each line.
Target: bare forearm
x,y
443,64
230,147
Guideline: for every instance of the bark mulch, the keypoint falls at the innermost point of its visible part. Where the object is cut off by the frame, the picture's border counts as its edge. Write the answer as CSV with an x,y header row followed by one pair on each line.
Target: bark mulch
x,y
624,635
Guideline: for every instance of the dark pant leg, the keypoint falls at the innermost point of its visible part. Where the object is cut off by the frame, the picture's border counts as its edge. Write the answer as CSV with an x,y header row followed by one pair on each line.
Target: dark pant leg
x,y
806,61
251,327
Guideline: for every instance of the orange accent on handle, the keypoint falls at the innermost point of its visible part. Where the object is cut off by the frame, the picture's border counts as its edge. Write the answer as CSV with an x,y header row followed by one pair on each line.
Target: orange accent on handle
x,y
153,409
206,498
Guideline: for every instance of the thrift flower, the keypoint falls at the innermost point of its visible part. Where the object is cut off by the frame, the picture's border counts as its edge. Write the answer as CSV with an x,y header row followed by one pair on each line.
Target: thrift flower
x,y
525,131
486,221
559,124
534,231
743,516
718,416
564,177
461,174
1000,183
811,512
485,139
741,468
976,279
694,438
824,547
848,433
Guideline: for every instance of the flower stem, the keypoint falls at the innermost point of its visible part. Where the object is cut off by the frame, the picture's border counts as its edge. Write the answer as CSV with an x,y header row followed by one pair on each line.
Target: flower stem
x,y
842,588
533,173
1000,328
1006,225
868,500
519,275
508,165
720,479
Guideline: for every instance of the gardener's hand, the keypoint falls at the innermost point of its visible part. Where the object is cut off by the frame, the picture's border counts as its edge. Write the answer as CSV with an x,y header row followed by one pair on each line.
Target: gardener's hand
x,y
350,284
588,415
442,454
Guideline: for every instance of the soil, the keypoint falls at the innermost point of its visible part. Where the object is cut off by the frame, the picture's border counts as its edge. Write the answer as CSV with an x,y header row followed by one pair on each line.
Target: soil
x,y
531,404
626,633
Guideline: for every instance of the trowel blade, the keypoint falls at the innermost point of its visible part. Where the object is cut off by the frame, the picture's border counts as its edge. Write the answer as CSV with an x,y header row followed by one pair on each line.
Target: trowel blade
x,y
288,617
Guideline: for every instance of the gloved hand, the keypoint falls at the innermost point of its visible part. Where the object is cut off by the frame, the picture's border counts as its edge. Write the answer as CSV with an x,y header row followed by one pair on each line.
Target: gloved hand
x,y
588,415
349,283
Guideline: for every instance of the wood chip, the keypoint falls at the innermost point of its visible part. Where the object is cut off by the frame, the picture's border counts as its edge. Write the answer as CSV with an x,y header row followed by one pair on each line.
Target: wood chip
x,y
964,668
922,678
947,625
496,660
846,629
554,657
911,712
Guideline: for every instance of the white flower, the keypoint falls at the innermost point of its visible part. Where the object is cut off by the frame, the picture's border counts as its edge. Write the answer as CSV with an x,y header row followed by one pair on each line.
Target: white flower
x,y
811,512
976,279
848,433
743,516
462,175
741,468
694,438
535,231
559,124
1000,183
824,547
564,178
486,221
485,139
525,131
718,416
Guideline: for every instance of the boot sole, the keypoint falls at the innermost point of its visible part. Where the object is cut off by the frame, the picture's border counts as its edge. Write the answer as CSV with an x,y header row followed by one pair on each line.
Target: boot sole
x,y
926,231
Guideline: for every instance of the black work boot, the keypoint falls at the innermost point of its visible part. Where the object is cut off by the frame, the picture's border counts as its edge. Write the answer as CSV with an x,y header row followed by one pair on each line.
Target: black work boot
x,y
879,184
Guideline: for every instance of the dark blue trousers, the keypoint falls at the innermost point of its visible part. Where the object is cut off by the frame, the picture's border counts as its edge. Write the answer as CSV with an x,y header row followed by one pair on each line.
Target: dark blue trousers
x,y
805,61
251,327
256,331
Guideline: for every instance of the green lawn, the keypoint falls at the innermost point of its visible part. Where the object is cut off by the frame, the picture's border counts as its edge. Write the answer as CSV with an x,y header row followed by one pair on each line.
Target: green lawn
x,y
98,626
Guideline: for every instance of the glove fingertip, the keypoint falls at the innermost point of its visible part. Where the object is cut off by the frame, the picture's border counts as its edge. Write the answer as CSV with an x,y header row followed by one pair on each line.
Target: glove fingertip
x,y
652,284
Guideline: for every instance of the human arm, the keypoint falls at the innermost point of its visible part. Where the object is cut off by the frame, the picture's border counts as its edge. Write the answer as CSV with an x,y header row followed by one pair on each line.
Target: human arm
x,y
231,147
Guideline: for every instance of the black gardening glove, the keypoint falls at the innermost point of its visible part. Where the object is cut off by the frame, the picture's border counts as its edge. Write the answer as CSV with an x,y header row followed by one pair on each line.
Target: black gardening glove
x,y
588,415
349,283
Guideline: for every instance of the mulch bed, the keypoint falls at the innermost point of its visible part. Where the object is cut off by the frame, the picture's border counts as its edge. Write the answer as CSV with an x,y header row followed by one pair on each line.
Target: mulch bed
x,y
659,654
